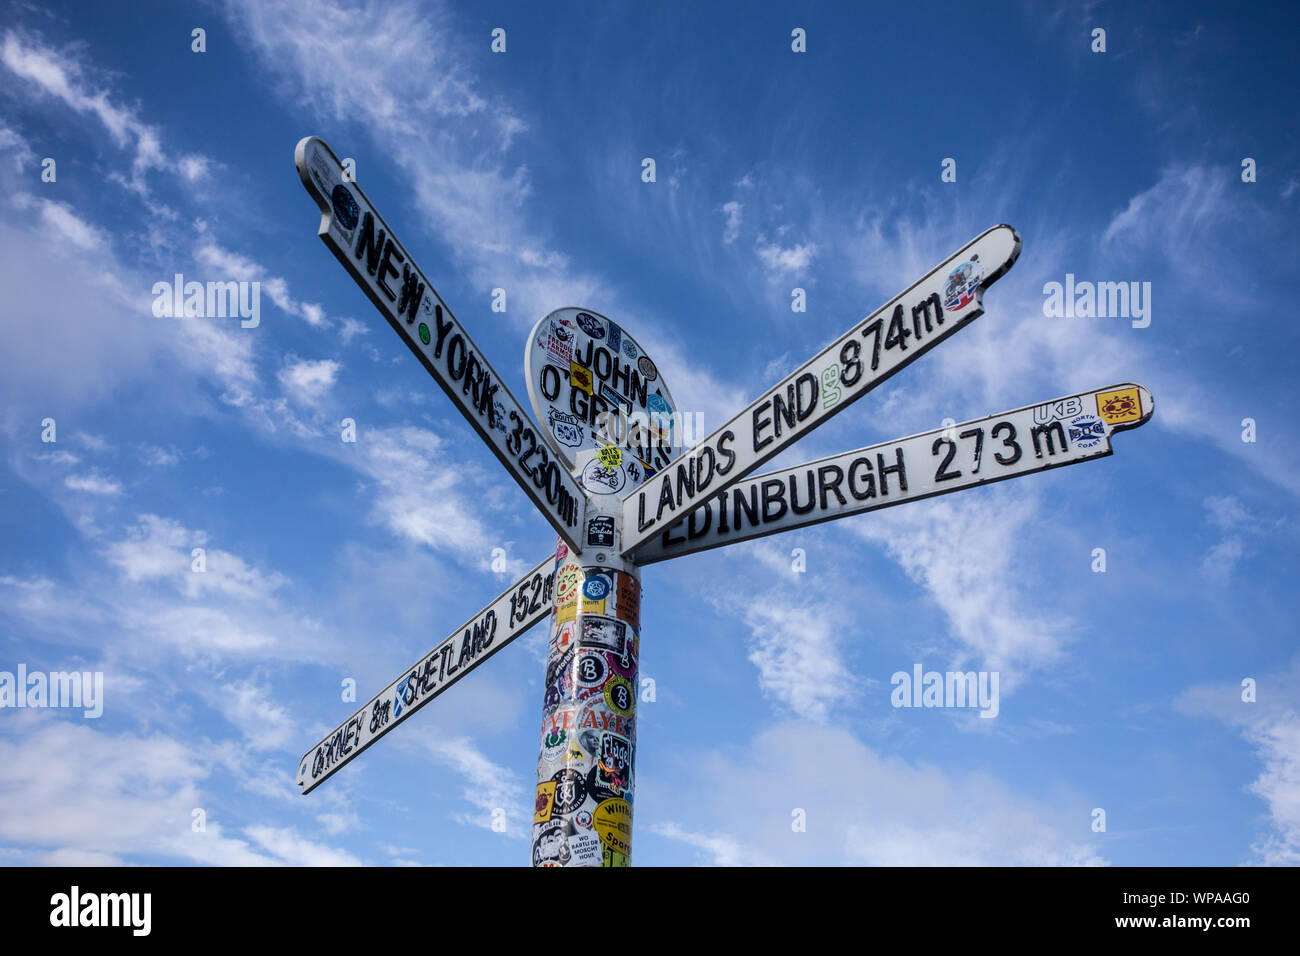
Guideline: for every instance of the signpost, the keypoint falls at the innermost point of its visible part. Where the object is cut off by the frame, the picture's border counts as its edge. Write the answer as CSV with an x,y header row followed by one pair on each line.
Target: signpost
x,y
619,500
1020,442
362,240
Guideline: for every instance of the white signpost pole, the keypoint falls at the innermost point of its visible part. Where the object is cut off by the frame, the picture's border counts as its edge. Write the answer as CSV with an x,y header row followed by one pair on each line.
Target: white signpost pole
x,y
585,768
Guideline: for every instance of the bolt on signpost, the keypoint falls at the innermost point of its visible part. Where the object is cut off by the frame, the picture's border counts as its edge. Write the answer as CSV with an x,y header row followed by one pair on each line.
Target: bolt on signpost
x,y
619,497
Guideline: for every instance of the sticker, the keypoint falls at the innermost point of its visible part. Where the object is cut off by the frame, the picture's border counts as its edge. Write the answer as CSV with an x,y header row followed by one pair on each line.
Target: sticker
x,y
647,368
630,351
580,377
613,821
601,479
545,802
1086,431
346,210
610,456
561,552
614,764
590,324
615,338
619,696
607,634
628,600
424,333
1118,407
570,791
550,699
596,587
588,606
600,531
550,848
1058,410
594,715
556,668
586,849
583,818
831,393
959,290
567,581
564,637
554,746
557,347
590,740
566,614
565,427
611,857
592,669
615,399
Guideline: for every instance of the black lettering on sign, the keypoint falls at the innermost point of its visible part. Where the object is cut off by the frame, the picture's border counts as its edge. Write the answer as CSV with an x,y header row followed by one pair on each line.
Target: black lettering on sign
x,y
896,469
1051,433
751,506
368,244
761,422
850,363
454,368
783,410
869,489
928,307
774,506
942,473
702,476
386,268
805,385
441,329
828,479
727,436
412,294
794,495
699,521
1008,442
550,382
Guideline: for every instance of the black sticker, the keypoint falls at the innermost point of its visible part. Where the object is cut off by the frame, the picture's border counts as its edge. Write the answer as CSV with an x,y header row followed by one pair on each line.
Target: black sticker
x,y
600,531
346,210
570,790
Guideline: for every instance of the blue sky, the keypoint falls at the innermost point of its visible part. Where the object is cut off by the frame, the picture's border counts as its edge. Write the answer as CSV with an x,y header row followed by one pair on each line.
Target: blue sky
x,y
522,171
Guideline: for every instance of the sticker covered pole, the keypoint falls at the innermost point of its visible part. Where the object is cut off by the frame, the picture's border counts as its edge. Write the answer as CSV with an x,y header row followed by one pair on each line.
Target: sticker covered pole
x,y
585,770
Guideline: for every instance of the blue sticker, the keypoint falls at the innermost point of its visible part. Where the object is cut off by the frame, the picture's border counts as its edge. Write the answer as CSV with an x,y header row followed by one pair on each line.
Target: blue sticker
x,y
657,404
1087,431
615,338
596,587
590,324
346,210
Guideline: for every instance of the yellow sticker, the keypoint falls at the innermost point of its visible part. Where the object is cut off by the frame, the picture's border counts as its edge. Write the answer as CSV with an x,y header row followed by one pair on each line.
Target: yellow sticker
x,y
613,821
563,615
610,456
588,606
545,803
568,580
1115,408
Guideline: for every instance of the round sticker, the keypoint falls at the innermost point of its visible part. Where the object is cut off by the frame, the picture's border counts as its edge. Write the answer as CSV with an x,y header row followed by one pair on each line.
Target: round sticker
x,y
590,324
346,210
554,745
601,479
596,587
570,791
619,696
647,368
613,821
1087,431
550,848
424,333
592,669
567,581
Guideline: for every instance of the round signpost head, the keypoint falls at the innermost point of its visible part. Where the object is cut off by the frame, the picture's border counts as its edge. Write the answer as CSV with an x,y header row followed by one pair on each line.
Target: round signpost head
x,y
594,388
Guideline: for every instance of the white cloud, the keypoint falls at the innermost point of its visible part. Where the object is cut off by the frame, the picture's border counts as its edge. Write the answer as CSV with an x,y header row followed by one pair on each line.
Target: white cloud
x,y
1271,725
734,212
94,484
862,808
309,381
783,261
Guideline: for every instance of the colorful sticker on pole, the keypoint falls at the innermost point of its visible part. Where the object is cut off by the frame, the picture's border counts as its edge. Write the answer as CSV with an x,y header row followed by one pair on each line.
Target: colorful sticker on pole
x,y
567,581
545,802
613,821
1119,407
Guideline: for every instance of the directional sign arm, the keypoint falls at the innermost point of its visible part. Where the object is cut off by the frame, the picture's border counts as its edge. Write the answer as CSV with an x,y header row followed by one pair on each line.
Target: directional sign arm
x,y
1020,442
364,243
946,299
526,602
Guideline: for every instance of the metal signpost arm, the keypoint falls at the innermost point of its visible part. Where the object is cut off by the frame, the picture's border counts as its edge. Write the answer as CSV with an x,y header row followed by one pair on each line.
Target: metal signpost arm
x,y
523,604
364,243
1023,441
943,301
